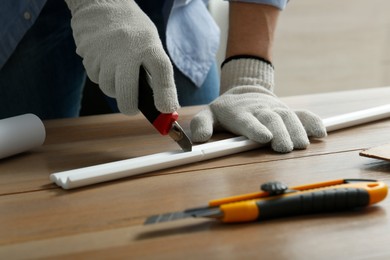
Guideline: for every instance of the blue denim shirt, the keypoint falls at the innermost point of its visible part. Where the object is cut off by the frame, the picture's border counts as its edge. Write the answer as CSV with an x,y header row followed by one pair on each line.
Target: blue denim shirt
x,y
16,17
192,37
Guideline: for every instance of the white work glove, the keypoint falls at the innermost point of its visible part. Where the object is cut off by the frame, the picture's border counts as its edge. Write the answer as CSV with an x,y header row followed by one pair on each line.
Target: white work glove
x,y
249,108
114,38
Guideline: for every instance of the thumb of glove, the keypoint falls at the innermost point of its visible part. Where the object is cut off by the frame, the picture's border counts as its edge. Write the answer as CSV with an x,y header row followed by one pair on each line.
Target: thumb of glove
x,y
202,125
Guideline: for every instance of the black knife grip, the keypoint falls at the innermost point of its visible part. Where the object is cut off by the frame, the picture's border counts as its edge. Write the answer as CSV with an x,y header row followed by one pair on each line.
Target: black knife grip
x,y
314,202
145,97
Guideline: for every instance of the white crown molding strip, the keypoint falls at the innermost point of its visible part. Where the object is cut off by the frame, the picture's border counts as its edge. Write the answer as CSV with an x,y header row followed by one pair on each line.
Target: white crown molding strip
x,y
119,169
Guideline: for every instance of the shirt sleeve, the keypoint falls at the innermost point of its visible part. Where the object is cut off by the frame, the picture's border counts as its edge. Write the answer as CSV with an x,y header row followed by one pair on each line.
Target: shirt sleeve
x,y
16,17
192,39
280,4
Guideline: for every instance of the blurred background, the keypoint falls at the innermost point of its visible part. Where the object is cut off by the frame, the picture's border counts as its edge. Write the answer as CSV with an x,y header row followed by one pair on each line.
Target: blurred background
x,y
324,46
320,46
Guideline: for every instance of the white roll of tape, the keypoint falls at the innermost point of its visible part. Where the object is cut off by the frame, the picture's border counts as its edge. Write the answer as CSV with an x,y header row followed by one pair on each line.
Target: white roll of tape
x,y
20,133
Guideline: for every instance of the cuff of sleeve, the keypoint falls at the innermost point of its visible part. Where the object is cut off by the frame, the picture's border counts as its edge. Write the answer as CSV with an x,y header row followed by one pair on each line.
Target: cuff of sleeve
x,y
280,4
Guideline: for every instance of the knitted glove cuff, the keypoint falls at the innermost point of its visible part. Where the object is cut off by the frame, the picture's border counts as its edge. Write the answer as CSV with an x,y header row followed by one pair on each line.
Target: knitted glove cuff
x,y
246,70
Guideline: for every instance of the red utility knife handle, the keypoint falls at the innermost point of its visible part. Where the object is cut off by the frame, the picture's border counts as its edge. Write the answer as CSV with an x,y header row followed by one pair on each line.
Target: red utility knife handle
x,y
162,122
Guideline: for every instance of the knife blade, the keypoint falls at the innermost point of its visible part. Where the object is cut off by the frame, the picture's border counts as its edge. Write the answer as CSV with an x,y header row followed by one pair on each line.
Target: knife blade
x,y
165,123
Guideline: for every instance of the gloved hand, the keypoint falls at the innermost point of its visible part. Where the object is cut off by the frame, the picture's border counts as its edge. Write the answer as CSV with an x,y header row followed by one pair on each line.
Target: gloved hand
x,y
114,38
249,108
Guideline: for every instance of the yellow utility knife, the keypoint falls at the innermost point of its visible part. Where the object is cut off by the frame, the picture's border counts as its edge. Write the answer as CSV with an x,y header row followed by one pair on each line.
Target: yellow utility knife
x,y
277,200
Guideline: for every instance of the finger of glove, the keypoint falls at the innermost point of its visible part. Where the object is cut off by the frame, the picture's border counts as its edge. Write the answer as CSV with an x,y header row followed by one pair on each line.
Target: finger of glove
x,y
312,123
126,87
162,82
107,80
281,141
294,127
249,125
202,125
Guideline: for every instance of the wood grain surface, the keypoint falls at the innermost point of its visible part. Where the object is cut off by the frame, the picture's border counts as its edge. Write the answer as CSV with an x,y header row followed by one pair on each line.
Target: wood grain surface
x,y
39,219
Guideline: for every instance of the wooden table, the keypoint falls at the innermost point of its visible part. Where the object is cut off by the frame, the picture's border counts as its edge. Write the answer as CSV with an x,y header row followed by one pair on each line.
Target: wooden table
x,y
39,219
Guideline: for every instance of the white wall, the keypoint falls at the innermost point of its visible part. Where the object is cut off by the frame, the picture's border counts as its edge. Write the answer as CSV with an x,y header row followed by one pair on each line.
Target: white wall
x,y
323,46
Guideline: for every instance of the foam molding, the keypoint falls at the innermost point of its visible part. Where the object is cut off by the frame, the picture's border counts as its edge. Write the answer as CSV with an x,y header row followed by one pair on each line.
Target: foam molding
x,y
119,169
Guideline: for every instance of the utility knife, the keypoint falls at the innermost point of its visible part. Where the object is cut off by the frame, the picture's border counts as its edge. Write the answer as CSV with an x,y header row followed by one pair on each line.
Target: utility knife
x,y
165,123
277,200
